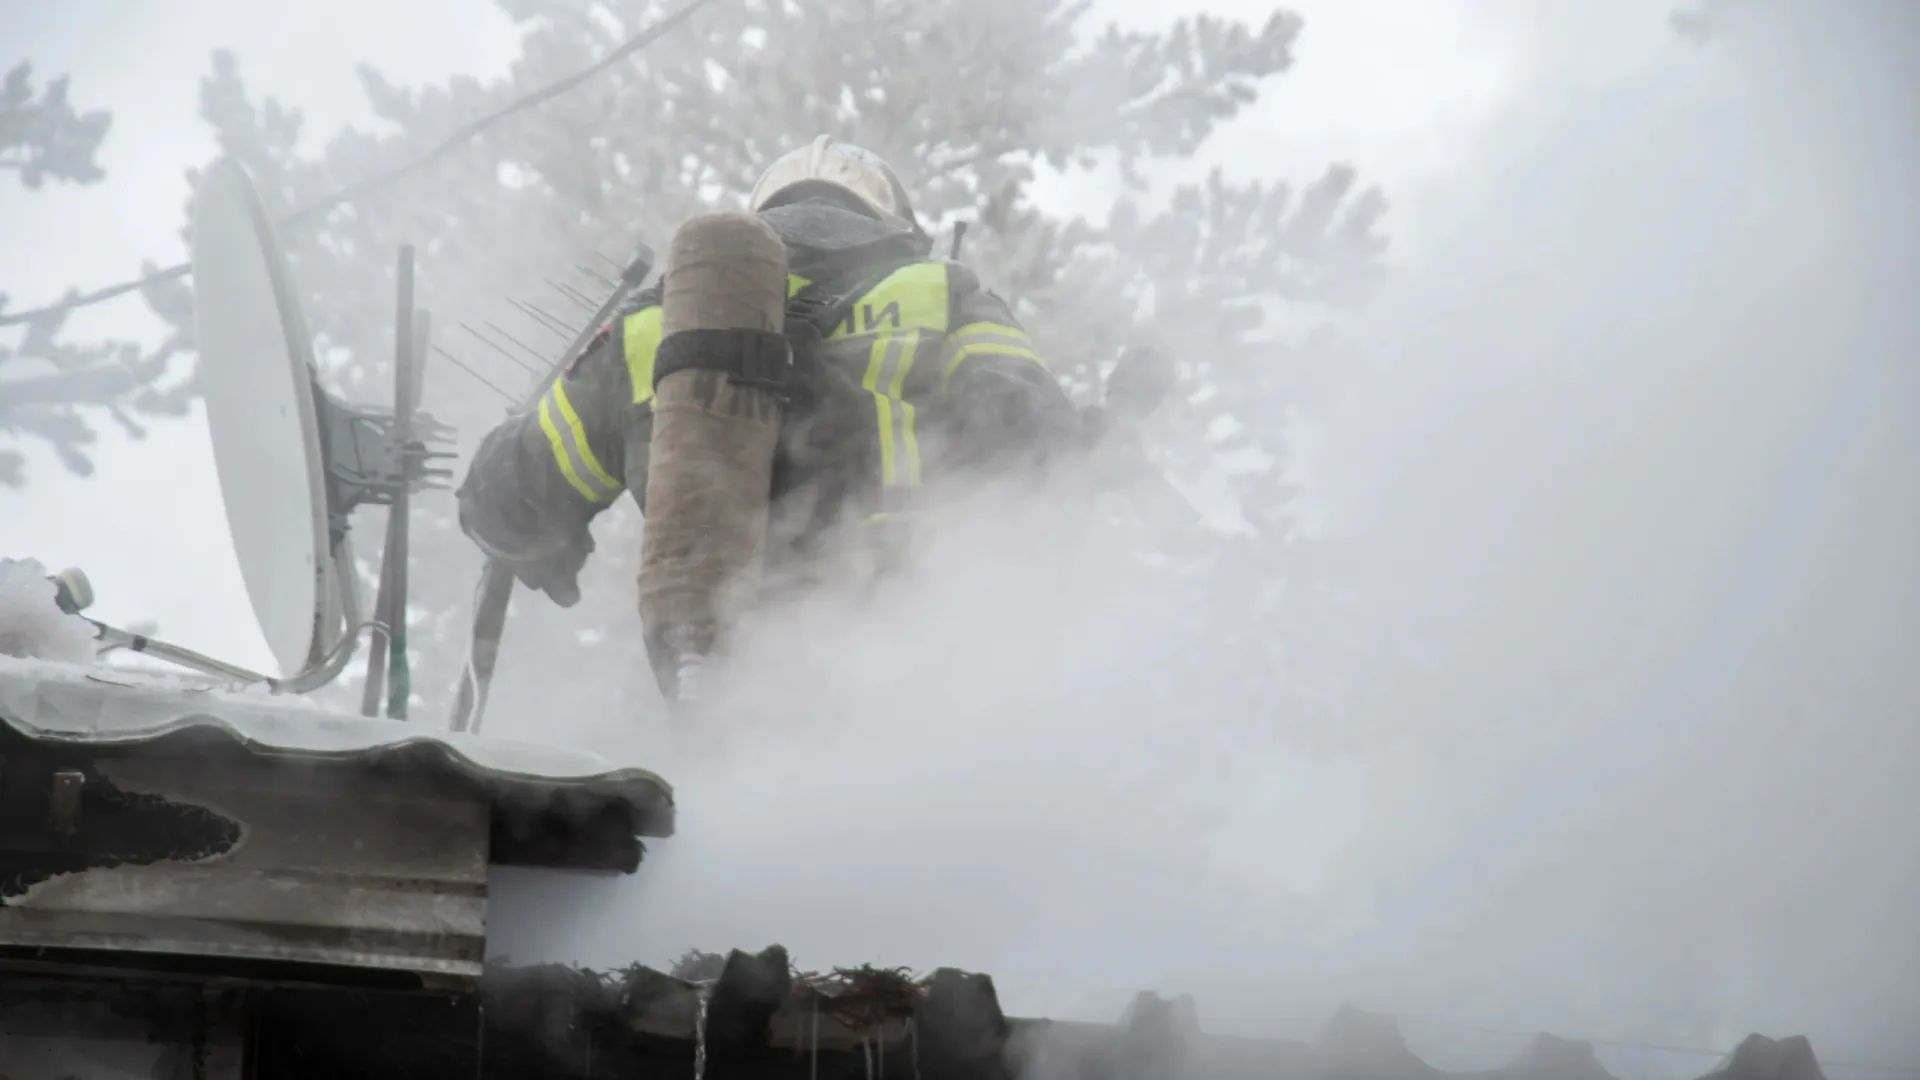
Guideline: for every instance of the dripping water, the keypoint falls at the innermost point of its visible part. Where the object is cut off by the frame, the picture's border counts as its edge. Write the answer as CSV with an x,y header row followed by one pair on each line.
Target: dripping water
x,y
702,993
813,1049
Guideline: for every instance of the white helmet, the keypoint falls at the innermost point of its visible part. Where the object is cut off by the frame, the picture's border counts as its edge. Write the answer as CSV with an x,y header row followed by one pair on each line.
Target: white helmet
x,y
856,171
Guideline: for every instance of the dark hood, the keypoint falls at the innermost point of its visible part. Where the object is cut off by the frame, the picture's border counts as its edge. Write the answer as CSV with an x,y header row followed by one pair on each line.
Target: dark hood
x,y
827,240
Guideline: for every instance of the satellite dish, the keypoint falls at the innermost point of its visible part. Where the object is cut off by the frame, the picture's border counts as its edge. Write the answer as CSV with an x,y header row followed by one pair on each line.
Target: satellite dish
x,y
257,377
294,462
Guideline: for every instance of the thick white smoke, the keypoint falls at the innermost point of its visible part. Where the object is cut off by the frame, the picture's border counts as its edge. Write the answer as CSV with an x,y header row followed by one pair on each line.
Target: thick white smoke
x,y
1625,466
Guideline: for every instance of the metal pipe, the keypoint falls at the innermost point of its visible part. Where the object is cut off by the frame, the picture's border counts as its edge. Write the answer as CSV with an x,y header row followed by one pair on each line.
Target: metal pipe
x,y
377,652
407,361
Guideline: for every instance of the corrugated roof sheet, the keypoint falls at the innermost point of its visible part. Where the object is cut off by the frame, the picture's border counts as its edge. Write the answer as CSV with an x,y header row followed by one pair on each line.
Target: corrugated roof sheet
x,y
542,796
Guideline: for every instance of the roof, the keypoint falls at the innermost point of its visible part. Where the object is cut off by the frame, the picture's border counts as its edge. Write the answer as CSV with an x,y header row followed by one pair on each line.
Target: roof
x,y
751,1015
550,806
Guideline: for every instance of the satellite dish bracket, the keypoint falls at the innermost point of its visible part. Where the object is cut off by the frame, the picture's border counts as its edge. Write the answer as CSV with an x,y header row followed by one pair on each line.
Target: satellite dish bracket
x,y
366,461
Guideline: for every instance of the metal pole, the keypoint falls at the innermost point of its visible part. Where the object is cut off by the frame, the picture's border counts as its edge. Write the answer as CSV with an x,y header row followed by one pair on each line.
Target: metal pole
x,y
408,363
389,619
422,326
376,643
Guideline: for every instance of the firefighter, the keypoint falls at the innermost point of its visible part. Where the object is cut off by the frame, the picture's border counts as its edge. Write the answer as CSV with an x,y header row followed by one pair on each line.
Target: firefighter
x,y
801,372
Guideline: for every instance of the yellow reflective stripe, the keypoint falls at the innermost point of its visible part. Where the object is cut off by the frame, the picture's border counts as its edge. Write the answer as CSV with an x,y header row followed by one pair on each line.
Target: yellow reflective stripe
x,y
908,441
795,283
903,310
580,442
882,405
989,331
965,352
887,387
909,344
911,443
986,338
560,454
640,339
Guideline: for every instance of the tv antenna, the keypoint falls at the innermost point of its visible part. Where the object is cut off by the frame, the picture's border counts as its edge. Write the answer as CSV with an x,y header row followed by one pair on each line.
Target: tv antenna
x,y
494,591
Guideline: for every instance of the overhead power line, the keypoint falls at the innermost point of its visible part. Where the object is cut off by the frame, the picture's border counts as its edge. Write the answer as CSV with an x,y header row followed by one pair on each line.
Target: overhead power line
x,y
373,183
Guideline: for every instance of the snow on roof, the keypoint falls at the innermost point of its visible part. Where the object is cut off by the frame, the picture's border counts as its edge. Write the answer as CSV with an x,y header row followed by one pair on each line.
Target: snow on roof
x,y
529,784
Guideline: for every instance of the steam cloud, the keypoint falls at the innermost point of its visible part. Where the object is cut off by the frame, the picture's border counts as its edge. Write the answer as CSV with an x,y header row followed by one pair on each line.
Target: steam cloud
x,y
1622,471
1620,479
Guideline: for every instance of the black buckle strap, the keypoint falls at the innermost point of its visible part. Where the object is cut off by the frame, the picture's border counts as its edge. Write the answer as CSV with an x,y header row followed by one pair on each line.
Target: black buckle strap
x,y
760,358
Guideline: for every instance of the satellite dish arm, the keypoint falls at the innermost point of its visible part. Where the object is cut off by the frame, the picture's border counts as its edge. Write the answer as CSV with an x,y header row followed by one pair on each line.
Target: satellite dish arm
x,y
353,619
325,671
112,637
388,644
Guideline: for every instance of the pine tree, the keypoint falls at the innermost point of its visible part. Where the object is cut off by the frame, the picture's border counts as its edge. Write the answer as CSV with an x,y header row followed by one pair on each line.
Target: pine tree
x,y
50,384
45,139
967,99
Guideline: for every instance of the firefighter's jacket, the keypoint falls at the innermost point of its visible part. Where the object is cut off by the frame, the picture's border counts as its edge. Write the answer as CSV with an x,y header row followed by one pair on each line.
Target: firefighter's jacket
x,y
909,373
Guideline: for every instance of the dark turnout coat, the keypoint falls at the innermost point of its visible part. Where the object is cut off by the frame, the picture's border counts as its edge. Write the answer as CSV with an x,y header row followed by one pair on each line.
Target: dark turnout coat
x,y
909,374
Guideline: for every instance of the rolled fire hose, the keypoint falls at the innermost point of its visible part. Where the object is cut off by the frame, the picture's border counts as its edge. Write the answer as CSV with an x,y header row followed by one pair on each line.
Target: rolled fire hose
x,y
716,417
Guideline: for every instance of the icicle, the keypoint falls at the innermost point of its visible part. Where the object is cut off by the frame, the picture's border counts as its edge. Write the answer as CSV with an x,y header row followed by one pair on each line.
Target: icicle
x,y
702,992
813,1060
200,1038
866,1051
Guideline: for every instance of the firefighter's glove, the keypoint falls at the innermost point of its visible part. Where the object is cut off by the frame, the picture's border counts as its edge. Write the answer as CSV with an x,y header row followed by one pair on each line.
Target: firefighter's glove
x,y
557,574
544,553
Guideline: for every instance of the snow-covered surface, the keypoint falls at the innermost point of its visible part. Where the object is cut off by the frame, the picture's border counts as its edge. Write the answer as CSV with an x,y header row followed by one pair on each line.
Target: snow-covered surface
x,y
31,622
95,703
